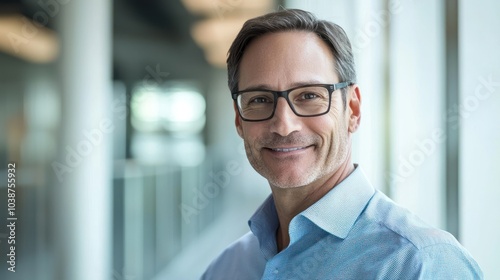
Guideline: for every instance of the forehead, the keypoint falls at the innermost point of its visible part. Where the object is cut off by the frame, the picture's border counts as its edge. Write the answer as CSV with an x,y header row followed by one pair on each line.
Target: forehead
x,y
285,59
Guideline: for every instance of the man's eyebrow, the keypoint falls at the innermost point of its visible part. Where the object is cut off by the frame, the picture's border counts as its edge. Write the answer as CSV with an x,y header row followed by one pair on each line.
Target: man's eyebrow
x,y
293,85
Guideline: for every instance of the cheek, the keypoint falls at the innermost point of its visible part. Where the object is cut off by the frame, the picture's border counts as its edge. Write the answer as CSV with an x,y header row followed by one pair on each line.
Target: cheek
x,y
332,129
249,133
339,120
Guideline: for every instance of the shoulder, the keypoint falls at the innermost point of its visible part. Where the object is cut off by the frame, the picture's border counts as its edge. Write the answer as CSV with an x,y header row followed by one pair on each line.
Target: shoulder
x,y
422,251
400,223
240,260
447,261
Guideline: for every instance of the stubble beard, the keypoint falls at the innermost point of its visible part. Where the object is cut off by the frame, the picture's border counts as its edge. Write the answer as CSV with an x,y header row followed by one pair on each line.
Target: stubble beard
x,y
325,165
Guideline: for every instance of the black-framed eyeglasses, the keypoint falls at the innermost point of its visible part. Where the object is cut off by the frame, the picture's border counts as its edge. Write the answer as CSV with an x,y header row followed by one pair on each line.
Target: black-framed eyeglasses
x,y
306,101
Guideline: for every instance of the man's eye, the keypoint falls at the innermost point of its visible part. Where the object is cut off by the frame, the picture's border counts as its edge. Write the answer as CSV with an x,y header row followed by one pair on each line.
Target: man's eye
x,y
309,95
260,100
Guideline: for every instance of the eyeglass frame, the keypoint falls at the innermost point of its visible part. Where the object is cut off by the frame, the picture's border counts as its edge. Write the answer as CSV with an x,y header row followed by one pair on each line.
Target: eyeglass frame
x,y
277,94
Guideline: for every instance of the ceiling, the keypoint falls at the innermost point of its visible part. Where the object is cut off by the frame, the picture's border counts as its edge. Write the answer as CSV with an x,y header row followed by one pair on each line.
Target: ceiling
x,y
147,33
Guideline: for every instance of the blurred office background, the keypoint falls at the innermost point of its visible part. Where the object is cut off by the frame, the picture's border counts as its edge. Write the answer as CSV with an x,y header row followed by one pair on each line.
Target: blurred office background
x,y
120,123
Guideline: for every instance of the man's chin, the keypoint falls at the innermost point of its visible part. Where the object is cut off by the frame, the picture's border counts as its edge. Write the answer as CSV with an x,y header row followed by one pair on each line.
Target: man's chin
x,y
285,176
289,182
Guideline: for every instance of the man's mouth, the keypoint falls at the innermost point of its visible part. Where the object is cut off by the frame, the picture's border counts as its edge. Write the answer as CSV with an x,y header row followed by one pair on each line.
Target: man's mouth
x,y
286,150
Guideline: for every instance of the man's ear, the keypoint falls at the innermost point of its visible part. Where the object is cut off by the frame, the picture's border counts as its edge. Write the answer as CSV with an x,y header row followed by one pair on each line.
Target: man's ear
x,y
354,108
237,120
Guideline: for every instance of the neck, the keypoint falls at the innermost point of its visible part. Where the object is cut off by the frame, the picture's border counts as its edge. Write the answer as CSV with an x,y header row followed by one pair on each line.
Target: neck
x,y
290,202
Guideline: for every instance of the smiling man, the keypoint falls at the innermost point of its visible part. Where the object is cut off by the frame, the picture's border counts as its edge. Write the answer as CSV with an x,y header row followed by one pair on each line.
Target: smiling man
x,y
297,105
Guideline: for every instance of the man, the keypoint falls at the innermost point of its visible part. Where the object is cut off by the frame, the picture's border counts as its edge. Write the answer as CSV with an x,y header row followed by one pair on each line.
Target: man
x,y
297,105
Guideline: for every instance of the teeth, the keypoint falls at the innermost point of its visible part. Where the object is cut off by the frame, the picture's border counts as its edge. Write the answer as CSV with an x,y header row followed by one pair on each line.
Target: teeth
x,y
286,150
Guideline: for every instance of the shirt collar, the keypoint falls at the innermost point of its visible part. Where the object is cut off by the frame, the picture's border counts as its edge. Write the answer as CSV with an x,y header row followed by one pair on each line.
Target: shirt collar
x,y
264,224
338,210
335,213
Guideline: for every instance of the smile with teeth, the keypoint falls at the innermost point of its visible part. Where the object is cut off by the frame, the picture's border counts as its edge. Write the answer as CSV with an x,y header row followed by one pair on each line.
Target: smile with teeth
x,y
287,149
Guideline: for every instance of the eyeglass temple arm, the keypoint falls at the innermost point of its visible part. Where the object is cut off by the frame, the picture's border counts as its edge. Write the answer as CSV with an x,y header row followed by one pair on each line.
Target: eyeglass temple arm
x,y
342,85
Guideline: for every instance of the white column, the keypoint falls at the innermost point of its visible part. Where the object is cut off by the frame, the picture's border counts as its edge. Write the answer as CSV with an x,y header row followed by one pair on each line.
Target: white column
x,y
83,198
479,134
418,130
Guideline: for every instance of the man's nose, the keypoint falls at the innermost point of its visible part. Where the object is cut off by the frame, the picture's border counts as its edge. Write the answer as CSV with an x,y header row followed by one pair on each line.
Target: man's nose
x,y
284,120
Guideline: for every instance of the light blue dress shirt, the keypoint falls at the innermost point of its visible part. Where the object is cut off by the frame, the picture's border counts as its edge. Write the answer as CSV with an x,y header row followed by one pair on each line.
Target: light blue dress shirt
x,y
353,232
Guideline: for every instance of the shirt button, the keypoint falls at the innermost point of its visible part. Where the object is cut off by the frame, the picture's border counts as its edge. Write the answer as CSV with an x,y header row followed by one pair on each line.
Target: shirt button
x,y
276,271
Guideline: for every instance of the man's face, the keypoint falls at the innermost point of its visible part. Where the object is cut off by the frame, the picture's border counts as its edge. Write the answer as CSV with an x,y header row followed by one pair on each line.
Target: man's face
x,y
288,150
